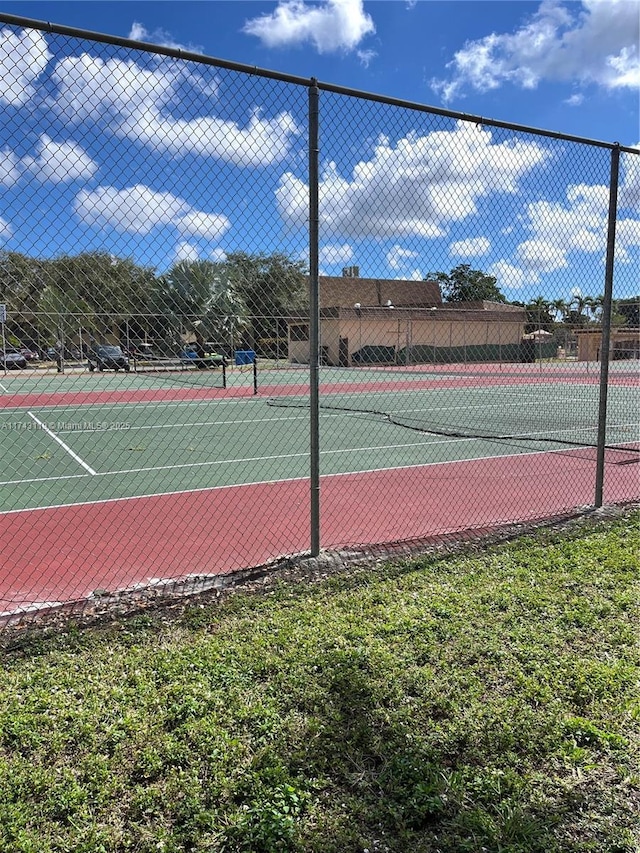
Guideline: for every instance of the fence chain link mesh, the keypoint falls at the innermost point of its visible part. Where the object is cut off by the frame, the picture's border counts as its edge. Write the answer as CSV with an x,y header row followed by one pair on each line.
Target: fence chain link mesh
x,y
155,316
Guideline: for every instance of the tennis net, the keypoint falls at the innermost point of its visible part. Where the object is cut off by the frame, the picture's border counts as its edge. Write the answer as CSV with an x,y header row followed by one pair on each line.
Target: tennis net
x,y
534,414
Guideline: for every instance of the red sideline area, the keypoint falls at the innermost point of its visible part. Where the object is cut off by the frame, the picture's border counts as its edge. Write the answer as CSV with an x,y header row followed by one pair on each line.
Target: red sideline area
x,y
171,395
66,553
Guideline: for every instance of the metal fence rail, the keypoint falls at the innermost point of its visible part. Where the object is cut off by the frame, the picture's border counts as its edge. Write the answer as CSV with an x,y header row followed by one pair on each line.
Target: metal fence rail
x,y
245,315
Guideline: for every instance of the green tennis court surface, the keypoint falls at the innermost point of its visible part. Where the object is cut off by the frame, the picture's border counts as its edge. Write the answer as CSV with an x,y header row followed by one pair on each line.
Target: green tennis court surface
x,y
90,451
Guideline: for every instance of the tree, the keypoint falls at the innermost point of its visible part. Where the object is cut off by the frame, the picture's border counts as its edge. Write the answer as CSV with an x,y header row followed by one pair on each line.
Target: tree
x,y
561,308
272,287
594,305
538,314
200,297
105,294
463,284
22,280
576,316
627,311
225,316
110,286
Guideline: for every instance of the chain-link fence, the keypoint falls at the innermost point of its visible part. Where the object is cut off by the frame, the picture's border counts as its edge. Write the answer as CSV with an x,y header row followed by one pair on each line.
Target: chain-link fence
x,y
246,316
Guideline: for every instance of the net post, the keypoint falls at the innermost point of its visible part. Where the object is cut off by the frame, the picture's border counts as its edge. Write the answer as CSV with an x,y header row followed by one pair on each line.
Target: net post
x,y
255,375
4,345
605,345
62,342
224,372
314,320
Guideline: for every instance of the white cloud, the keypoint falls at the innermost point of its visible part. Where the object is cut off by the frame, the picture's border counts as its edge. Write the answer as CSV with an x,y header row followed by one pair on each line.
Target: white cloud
x,y
414,187
629,191
262,142
559,229
186,252
398,257
208,225
158,36
471,248
60,162
23,57
329,26
508,275
137,104
540,256
9,168
366,57
138,210
6,231
626,68
591,42
218,255
580,224
56,163
90,88
332,255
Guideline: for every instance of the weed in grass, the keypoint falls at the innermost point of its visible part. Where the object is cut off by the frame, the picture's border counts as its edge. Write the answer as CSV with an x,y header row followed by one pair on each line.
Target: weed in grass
x,y
267,824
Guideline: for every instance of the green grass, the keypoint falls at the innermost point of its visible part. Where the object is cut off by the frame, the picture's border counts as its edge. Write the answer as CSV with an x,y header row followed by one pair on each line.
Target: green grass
x,y
480,702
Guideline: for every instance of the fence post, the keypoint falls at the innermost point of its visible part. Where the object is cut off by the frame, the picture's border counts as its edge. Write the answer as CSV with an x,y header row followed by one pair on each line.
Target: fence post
x,y
314,319
606,324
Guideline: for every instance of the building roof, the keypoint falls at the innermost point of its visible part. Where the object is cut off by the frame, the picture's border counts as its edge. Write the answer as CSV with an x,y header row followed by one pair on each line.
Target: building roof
x,y
615,330
459,311
345,292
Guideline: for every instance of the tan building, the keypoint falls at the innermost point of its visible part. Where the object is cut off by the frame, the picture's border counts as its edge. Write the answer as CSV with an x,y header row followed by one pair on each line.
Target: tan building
x,y
405,322
625,343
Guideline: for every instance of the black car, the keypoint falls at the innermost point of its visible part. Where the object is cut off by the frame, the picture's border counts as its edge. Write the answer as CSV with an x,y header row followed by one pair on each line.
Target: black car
x,y
107,357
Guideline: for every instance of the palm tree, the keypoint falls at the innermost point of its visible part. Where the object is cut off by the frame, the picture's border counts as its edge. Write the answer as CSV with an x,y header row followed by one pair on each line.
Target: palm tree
x,y
576,314
198,297
561,308
538,313
594,305
225,313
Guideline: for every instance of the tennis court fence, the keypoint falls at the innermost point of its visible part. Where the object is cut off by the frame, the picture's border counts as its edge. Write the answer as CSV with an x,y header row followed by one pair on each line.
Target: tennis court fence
x,y
247,317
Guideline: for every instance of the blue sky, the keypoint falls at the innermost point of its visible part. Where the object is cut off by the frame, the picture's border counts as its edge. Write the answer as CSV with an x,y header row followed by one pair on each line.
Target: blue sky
x,y
105,149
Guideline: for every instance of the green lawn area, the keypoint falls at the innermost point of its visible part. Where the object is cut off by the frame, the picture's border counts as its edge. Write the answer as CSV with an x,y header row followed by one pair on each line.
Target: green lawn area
x,y
481,701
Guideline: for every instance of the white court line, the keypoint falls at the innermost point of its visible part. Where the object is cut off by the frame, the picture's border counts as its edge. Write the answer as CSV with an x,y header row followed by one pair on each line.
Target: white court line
x,y
325,413
146,404
42,479
517,392
191,424
282,480
235,461
305,454
64,446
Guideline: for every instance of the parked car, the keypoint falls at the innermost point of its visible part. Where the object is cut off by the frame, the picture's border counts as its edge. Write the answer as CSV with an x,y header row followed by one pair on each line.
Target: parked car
x,y
107,357
71,353
13,359
30,354
142,351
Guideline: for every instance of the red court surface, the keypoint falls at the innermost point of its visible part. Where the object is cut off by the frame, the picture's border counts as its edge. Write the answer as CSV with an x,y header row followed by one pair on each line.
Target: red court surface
x,y
139,540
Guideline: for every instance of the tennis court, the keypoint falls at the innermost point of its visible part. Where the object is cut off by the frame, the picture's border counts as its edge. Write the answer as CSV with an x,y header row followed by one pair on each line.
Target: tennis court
x,y
115,480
